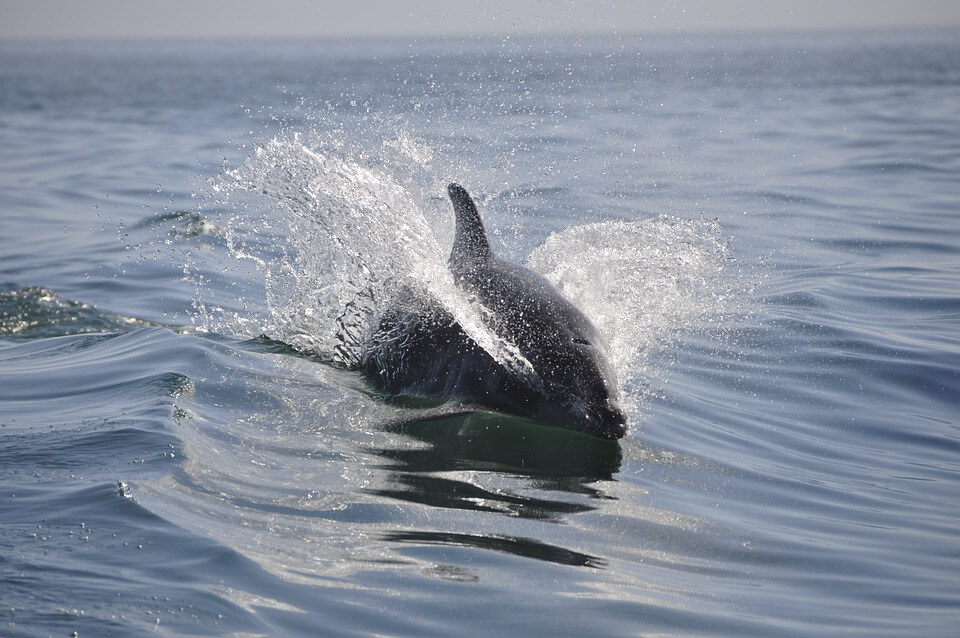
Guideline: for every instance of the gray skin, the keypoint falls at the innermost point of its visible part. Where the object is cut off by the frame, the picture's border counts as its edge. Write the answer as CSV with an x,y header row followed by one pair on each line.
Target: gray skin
x,y
419,351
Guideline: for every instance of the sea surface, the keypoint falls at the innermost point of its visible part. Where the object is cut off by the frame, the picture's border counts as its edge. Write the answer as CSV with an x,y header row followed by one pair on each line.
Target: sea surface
x,y
765,228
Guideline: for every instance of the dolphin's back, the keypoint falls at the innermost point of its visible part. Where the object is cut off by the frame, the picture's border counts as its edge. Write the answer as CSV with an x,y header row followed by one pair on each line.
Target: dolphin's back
x,y
528,311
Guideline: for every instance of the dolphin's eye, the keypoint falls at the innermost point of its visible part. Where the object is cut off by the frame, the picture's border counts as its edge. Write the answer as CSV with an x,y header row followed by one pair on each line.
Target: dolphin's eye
x,y
581,341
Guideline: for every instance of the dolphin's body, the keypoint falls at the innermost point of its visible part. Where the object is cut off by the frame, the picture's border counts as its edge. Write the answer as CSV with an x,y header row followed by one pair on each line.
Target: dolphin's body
x,y
419,350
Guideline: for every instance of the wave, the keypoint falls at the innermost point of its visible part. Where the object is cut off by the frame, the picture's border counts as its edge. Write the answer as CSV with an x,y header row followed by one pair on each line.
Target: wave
x,y
34,312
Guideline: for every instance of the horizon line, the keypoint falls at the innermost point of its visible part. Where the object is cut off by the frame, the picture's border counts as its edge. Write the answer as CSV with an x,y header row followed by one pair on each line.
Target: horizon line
x,y
466,36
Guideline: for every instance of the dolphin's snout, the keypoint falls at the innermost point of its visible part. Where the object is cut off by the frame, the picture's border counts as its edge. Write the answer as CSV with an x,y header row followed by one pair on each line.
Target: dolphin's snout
x,y
607,422
615,423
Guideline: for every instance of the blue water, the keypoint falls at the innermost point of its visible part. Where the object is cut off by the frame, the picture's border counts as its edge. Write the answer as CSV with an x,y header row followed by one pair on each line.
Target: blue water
x,y
766,228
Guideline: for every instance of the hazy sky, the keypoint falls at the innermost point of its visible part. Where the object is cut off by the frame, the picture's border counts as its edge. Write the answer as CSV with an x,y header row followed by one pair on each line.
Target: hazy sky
x,y
363,18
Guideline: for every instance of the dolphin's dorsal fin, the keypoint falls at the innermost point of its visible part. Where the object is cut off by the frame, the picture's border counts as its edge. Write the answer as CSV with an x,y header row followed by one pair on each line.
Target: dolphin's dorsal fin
x,y
470,247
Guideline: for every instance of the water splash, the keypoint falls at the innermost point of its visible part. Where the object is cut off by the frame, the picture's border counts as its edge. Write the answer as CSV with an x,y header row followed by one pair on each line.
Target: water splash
x,y
641,283
357,236
338,234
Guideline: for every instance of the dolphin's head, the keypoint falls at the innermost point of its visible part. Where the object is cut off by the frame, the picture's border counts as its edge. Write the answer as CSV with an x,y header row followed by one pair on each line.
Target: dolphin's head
x,y
581,391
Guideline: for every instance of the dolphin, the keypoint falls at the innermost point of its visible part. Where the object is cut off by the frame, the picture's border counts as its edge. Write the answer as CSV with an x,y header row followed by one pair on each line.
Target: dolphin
x,y
417,350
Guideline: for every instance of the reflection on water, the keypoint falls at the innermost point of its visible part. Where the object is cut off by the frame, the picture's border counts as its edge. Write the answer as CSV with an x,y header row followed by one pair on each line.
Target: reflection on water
x,y
497,448
526,547
442,492
559,459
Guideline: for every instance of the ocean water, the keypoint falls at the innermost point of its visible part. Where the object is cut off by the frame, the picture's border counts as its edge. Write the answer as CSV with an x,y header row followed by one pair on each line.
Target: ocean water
x,y
193,236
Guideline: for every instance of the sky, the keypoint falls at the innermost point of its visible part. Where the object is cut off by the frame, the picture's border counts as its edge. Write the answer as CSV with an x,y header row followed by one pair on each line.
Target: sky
x,y
124,19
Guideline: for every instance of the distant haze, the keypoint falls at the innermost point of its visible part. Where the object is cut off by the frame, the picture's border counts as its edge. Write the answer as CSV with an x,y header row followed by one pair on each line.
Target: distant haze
x,y
99,19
